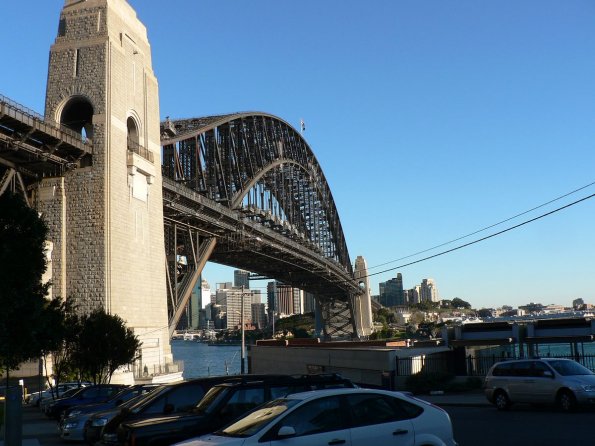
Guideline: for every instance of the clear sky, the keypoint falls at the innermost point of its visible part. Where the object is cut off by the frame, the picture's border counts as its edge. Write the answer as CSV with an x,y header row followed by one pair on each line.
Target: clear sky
x,y
431,120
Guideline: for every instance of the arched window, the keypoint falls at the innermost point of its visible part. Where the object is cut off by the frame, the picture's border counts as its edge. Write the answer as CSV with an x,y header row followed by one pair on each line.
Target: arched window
x,y
77,115
133,140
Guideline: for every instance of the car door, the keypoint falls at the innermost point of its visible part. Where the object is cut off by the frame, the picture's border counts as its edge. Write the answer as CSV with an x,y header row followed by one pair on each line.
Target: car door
x,y
545,386
320,422
379,420
521,382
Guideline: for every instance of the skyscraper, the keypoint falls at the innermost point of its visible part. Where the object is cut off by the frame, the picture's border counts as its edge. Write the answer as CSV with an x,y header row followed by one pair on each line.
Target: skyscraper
x,y
391,292
428,291
241,279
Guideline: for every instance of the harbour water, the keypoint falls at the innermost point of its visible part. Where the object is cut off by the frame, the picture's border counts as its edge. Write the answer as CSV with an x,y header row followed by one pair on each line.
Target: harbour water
x,y
201,359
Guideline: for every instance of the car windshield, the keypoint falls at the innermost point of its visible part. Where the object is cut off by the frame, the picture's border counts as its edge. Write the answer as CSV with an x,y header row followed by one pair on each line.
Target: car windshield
x,y
569,368
71,392
257,419
140,403
210,401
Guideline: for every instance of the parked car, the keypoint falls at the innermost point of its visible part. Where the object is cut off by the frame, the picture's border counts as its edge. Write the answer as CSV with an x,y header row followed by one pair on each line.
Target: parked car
x,y
167,400
96,422
346,417
222,404
35,398
72,422
85,395
45,403
558,381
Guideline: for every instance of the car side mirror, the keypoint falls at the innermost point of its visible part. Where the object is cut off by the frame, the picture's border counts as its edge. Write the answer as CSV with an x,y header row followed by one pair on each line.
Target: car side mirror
x,y
168,408
286,431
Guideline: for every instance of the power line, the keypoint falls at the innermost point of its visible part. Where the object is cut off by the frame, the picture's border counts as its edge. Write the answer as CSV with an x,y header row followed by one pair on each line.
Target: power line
x,y
483,229
483,238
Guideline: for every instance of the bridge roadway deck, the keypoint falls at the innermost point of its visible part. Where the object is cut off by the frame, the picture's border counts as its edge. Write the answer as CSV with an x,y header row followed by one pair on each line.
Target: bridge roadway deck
x,y
34,145
253,246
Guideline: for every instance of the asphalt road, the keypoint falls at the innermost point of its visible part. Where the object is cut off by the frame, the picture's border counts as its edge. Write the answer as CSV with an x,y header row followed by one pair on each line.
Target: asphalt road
x,y
473,426
522,426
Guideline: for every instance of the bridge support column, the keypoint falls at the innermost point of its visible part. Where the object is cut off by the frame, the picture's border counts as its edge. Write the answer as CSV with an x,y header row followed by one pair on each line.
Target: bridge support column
x,y
107,219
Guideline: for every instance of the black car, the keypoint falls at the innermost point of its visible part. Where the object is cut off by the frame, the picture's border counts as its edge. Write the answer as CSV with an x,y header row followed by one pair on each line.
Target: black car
x,y
221,405
167,400
85,395
94,425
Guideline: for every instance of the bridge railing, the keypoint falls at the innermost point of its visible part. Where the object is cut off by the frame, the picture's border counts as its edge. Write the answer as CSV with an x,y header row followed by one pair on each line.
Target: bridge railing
x,y
157,369
42,119
472,366
145,153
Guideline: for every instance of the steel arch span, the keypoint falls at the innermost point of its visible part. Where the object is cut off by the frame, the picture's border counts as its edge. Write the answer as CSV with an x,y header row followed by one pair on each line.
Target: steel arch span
x,y
246,190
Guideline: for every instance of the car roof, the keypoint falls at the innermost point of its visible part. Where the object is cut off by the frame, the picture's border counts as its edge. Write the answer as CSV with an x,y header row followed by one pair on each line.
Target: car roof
x,y
311,394
547,359
255,380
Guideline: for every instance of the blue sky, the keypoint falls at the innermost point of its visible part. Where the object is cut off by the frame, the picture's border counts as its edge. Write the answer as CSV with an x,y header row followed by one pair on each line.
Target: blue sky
x,y
431,120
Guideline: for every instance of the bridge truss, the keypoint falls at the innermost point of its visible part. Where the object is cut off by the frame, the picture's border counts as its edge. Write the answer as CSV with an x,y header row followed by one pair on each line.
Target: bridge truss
x,y
246,190
33,147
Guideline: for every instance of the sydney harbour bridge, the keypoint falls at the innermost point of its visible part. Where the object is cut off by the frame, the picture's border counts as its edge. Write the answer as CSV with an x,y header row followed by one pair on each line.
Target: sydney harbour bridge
x,y
243,190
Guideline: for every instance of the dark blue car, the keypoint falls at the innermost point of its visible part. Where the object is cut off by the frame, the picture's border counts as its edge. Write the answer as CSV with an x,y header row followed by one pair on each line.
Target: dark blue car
x,y
85,395
73,420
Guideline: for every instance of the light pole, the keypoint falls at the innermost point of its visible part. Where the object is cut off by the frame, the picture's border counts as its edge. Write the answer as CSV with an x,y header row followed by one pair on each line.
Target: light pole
x,y
242,365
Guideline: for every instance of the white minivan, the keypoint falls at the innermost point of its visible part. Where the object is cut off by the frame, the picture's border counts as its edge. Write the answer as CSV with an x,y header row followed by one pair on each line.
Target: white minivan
x,y
558,381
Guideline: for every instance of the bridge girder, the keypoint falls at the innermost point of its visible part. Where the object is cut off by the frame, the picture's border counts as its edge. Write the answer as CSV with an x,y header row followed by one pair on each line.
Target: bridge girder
x,y
252,181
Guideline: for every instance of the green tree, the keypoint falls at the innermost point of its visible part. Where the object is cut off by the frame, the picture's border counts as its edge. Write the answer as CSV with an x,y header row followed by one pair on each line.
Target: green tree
x,y
460,303
104,344
22,295
63,326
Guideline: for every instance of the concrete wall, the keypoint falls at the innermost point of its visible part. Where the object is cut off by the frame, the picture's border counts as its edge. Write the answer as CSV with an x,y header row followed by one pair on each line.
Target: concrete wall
x,y
359,365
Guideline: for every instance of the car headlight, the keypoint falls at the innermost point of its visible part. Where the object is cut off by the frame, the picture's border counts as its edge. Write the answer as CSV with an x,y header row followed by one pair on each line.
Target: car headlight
x,y
588,388
74,413
70,425
99,422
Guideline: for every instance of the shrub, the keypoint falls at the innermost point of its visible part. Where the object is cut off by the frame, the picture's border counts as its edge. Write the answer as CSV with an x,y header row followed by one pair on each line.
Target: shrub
x,y
426,382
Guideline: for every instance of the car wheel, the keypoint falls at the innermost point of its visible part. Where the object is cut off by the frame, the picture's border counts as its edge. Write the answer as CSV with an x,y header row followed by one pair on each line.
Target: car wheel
x,y
501,400
566,401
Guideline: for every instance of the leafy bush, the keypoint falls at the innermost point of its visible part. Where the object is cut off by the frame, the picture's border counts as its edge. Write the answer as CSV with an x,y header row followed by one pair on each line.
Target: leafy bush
x,y
427,382
471,383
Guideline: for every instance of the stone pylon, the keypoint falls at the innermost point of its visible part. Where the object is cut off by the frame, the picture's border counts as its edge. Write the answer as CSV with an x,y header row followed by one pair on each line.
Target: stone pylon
x,y
106,216
362,304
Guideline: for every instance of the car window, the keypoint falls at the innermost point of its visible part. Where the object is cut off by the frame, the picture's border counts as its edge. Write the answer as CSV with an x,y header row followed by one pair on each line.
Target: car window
x,y
569,368
539,368
503,369
523,368
108,391
320,415
257,419
367,409
91,392
185,398
241,401
280,391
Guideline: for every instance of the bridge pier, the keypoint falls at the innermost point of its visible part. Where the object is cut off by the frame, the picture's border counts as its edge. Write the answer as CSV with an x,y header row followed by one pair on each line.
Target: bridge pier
x,y
106,217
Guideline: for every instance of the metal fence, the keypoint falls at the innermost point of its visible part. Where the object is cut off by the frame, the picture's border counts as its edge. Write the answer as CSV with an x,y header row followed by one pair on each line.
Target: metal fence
x,y
469,365
157,369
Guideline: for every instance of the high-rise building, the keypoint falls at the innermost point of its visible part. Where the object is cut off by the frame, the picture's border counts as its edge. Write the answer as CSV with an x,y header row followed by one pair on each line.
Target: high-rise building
x,y
205,291
309,303
428,291
231,300
391,292
284,300
241,279
259,318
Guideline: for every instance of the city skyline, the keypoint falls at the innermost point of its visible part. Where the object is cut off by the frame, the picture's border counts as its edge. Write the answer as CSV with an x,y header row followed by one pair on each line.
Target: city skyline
x,y
430,120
